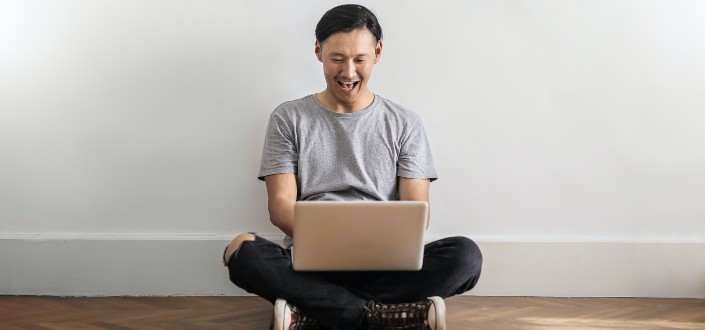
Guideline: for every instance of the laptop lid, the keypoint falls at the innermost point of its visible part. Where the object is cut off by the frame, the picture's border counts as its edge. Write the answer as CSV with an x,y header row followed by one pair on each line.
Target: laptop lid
x,y
359,235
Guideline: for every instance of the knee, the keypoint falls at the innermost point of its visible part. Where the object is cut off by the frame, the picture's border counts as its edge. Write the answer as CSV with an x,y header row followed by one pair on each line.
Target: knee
x,y
469,263
468,253
236,243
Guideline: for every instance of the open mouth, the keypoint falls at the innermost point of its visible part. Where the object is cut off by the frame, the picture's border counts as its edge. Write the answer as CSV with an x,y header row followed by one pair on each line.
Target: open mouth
x,y
348,86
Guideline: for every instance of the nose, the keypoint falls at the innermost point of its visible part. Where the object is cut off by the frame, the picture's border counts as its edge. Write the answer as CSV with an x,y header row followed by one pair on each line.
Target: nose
x,y
348,70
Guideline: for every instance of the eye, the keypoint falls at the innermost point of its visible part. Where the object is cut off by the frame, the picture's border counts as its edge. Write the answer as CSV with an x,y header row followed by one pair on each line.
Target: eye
x,y
360,61
336,60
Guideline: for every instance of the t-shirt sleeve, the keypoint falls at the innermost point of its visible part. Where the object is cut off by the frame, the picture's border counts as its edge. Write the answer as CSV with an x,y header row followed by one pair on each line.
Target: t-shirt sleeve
x,y
415,159
279,154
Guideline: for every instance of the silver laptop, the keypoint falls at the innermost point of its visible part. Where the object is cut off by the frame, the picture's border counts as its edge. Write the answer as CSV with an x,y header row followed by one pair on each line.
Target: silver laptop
x,y
359,236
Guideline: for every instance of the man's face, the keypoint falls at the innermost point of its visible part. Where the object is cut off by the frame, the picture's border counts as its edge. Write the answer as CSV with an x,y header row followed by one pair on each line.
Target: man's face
x,y
347,59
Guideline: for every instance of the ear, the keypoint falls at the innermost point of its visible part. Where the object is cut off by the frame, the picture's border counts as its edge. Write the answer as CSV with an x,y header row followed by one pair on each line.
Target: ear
x,y
378,51
318,51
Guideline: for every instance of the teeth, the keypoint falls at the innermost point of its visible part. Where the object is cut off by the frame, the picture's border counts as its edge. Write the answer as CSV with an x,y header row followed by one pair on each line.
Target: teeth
x,y
348,85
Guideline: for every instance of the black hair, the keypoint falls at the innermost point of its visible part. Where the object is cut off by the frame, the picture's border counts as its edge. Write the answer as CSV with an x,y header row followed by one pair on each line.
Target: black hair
x,y
346,18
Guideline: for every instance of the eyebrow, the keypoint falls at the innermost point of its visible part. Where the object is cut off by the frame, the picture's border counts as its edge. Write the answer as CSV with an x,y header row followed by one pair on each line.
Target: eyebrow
x,y
343,55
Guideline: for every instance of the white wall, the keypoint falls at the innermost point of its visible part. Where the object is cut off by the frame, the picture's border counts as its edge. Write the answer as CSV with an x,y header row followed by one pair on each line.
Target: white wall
x,y
573,121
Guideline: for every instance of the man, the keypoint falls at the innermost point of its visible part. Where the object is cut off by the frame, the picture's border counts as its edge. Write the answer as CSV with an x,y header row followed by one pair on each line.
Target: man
x,y
346,143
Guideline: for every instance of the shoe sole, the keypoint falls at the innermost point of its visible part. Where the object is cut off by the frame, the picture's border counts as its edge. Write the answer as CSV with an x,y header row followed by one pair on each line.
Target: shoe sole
x,y
440,307
281,319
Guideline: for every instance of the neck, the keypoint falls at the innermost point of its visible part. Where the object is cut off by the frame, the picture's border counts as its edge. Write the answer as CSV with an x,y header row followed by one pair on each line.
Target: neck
x,y
362,102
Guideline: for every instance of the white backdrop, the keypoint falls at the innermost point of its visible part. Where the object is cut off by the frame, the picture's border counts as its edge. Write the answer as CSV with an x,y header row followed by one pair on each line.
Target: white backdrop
x,y
567,120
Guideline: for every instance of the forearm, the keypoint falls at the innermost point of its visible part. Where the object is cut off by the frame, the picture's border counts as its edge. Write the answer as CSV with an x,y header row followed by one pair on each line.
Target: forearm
x,y
281,197
281,214
416,190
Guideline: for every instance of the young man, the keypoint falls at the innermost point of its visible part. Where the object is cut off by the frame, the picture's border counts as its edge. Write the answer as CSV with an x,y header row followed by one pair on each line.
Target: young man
x,y
346,143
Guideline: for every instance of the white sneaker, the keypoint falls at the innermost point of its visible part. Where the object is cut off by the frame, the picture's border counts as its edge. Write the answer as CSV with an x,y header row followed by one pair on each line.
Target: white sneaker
x,y
288,317
282,315
436,317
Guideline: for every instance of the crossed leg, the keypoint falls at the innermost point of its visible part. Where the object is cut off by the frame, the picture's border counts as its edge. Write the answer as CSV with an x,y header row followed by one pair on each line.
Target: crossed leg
x,y
235,245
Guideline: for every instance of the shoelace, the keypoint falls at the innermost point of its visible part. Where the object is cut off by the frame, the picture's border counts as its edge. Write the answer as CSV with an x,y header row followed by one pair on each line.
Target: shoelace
x,y
399,316
301,321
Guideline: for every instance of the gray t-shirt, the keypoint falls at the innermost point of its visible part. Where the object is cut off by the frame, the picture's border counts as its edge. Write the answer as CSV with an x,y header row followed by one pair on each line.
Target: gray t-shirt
x,y
346,156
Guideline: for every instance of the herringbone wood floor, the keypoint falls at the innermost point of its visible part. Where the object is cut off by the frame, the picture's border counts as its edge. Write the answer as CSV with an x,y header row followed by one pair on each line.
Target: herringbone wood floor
x,y
245,313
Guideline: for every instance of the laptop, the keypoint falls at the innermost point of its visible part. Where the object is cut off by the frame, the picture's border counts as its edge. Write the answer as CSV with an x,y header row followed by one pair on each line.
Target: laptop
x,y
359,235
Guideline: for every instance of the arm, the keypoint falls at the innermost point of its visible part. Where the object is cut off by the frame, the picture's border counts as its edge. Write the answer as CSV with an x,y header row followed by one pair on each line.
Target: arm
x,y
281,196
415,190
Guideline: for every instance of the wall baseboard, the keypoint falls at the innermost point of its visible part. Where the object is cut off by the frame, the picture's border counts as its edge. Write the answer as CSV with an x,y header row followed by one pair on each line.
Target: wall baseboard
x,y
190,265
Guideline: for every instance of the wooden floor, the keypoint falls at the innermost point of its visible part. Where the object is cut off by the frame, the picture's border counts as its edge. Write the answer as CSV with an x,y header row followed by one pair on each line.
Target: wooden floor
x,y
245,313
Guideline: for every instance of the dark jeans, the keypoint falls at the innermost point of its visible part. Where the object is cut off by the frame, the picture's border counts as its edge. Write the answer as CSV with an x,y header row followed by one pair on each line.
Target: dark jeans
x,y
451,266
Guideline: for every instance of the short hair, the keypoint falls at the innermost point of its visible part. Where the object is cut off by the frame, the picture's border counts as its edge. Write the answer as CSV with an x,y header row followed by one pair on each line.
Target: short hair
x,y
346,18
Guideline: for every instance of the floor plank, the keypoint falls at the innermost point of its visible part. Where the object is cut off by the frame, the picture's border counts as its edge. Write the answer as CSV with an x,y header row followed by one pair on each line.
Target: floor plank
x,y
252,313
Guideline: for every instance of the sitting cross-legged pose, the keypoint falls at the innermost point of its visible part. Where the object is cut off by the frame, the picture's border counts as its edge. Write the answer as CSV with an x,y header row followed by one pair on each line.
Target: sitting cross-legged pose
x,y
346,144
